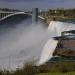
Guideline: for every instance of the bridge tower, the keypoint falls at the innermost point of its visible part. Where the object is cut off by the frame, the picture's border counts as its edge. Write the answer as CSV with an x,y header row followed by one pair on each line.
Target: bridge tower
x,y
34,15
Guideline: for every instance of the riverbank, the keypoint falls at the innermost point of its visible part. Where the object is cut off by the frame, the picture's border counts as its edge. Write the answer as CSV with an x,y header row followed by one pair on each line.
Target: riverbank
x,y
68,73
57,18
52,68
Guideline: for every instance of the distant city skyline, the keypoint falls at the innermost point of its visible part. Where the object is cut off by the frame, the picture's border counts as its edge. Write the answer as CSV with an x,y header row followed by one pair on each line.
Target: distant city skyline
x,y
42,4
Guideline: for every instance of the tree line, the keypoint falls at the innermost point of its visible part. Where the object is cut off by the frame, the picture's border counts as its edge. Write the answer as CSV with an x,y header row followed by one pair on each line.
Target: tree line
x,y
59,12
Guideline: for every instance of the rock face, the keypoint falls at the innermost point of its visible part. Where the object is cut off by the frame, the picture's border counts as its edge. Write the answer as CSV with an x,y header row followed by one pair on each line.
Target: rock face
x,y
65,48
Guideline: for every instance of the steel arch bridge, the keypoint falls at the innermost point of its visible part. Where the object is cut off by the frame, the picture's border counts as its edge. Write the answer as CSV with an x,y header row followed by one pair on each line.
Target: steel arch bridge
x,y
6,14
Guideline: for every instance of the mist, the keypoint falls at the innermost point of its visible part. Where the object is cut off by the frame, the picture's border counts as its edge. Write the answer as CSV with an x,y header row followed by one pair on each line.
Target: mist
x,y
22,44
55,29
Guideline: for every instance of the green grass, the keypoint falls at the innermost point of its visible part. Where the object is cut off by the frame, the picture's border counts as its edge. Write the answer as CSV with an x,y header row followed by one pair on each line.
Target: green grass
x,y
68,73
53,68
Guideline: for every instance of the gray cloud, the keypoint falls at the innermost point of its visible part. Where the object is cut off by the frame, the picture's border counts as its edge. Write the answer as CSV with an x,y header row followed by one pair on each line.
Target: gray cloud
x,y
42,4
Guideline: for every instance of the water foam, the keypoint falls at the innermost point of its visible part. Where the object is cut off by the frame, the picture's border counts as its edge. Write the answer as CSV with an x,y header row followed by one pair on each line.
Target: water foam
x,y
22,44
48,51
60,27
31,42
55,28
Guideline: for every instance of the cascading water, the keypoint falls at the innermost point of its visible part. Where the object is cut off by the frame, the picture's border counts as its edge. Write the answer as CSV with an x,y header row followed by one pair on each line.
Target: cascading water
x,y
48,51
55,28
60,27
21,41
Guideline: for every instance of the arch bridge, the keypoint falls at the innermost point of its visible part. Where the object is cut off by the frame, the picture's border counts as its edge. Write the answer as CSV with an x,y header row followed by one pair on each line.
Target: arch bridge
x,y
6,14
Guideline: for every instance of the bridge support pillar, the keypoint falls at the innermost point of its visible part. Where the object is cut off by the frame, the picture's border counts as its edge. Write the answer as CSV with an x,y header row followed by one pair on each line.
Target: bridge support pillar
x,y
34,15
0,15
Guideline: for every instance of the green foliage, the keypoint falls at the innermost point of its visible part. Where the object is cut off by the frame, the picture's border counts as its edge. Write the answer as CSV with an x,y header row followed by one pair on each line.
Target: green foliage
x,y
69,73
62,12
58,14
51,67
60,66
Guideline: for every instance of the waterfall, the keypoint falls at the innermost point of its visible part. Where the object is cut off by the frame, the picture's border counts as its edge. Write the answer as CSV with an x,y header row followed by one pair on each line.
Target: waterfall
x,y
55,28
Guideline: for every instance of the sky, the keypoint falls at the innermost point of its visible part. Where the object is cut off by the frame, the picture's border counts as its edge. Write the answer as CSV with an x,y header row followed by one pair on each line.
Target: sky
x,y
42,4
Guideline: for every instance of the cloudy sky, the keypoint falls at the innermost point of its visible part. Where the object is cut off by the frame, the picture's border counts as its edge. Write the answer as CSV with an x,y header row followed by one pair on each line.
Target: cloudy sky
x,y
42,4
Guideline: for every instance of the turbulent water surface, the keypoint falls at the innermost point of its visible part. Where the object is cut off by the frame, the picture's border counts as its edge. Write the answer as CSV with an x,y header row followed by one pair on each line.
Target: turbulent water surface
x,y
22,41
55,28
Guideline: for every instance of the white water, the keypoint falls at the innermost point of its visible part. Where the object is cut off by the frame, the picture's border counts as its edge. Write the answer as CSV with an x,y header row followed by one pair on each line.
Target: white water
x,y
55,28
48,50
22,44
60,27
32,42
